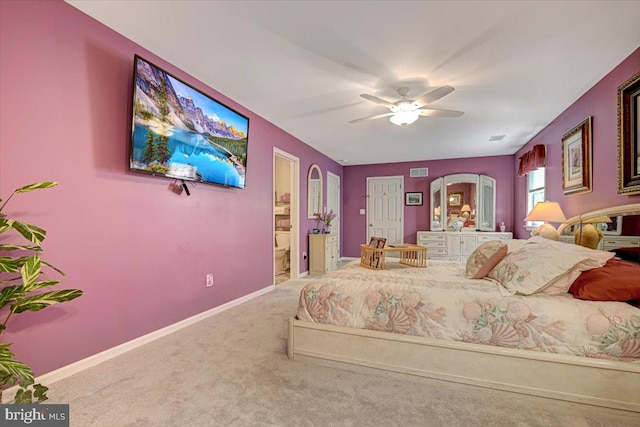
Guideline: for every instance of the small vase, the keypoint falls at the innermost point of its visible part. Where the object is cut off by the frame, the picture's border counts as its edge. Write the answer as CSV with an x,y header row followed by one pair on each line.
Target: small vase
x,y
327,229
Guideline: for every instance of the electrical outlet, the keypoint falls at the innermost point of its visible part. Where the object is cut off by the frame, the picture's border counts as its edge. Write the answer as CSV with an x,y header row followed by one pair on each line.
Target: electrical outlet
x,y
209,280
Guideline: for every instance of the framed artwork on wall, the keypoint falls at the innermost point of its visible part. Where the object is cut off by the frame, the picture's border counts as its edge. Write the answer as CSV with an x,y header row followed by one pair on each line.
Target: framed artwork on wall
x,y
413,199
629,136
576,159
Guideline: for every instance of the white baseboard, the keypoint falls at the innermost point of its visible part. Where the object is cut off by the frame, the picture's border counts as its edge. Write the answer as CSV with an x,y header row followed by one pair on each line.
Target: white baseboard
x,y
303,274
96,359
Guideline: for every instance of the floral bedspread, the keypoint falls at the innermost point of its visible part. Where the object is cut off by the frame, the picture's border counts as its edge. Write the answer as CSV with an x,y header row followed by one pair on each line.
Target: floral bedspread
x,y
440,302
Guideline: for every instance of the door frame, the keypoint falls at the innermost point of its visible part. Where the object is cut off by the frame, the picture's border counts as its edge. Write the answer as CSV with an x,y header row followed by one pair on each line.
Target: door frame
x,y
400,200
336,177
294,251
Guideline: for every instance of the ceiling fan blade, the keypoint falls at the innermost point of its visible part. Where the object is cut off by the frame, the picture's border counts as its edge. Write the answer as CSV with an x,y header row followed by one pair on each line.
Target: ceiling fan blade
x,y
434,95
377,100
434,112
377,116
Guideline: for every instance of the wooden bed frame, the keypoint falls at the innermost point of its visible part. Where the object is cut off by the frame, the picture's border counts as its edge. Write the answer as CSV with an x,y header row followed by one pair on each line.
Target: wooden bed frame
x,y
604,383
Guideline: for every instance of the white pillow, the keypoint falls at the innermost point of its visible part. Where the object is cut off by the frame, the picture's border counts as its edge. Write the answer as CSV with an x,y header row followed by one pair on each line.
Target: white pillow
x,y
535,266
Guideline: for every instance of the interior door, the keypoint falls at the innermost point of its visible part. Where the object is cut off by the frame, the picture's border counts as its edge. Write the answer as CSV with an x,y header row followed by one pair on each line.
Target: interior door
x,y
385,200
333,202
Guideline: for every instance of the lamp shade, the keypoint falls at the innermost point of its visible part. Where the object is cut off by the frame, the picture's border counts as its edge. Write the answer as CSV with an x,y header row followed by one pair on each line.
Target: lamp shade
x,y
547,212
466,208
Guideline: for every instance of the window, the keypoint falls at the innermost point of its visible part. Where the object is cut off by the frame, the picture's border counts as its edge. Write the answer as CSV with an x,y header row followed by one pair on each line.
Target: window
x,y
535,193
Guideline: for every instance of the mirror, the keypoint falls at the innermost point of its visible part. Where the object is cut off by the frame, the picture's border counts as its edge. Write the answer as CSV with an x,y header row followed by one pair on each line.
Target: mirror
x,y
314,192
463,201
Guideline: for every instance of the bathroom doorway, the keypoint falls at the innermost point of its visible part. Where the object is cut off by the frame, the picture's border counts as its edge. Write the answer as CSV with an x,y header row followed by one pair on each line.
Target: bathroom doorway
x,y
286,172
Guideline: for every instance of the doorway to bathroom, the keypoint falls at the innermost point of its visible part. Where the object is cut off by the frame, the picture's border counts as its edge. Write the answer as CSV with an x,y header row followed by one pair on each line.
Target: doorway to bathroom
x,y
286,202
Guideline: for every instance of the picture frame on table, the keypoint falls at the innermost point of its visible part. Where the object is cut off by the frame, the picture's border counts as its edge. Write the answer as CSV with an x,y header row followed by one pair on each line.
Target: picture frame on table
x,y
413,198
577,145
629,136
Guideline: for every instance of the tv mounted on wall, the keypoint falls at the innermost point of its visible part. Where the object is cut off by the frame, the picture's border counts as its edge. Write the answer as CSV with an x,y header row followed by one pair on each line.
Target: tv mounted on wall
x,y
179,132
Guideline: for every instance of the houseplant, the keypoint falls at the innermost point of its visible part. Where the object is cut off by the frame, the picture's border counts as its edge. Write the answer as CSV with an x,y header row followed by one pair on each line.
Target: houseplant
x,y
326,217
20,272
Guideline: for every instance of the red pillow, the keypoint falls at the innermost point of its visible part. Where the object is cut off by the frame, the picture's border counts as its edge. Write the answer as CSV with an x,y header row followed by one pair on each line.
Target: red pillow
x,y
616,281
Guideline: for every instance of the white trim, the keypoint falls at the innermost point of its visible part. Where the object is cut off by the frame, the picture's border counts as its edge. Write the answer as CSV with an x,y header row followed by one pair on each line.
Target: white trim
x,y
604,383
294,252
96,359
303,274
338,231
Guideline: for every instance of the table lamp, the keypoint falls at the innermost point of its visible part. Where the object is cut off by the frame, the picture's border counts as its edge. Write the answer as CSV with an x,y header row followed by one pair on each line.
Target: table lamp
x,y
588,235
547,212
466,209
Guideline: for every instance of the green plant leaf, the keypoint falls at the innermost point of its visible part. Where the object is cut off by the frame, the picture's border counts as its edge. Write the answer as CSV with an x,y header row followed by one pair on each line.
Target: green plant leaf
x,y
40,393
10,294
31,232
9,366
8,247
36,186
8,265
60,272
6,224
39,285
31,270
45,299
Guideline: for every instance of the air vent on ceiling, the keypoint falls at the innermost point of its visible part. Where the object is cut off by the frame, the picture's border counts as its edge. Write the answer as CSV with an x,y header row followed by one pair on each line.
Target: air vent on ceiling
x,y
496,138
418,172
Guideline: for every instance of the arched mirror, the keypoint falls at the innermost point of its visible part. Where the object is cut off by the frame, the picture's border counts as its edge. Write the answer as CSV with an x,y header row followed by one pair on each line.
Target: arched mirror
x,y
314,191
463,201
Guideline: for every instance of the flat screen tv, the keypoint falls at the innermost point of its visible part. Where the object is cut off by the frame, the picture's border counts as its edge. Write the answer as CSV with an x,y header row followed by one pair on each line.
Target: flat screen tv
x,y
179,132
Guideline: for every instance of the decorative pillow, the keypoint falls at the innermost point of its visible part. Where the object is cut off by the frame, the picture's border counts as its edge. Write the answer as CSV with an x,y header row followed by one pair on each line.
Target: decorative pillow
x,y
533,267
484,258
628,254
616,281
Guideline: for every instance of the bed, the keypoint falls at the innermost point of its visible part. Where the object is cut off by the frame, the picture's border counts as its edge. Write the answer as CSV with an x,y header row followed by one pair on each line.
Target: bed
x,y
437,323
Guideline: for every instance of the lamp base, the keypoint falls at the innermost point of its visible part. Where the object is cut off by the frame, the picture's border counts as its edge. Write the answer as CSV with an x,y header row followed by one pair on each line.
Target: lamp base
x,y
547,231
588,236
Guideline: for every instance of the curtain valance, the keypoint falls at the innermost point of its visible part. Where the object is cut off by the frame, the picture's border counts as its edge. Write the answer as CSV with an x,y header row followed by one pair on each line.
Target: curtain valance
x,y
532,160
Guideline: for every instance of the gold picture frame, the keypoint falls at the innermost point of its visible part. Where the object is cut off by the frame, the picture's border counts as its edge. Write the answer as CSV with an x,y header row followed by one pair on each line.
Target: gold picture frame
x,y
577,147
629,136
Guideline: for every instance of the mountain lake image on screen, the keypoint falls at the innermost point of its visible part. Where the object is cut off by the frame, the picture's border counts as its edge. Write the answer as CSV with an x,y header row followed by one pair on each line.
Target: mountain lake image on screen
x,y
179,132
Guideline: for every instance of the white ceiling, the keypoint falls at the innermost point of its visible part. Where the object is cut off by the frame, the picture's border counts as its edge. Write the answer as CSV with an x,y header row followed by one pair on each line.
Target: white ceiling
x,y
515,65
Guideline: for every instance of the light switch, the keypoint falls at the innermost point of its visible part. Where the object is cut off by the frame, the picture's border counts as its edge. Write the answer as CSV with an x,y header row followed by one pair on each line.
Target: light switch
x,y
362,211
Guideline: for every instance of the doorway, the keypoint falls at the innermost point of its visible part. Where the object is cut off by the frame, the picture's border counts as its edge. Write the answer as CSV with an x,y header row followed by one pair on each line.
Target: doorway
x,y
286,202
385,201
333,203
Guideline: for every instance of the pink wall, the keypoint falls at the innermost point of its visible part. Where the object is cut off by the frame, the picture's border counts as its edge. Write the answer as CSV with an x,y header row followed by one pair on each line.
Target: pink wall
x,y
139,251
600,102
416,218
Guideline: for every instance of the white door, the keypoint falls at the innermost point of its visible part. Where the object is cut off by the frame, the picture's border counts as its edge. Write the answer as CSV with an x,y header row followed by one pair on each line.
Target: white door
x,y
385,199
333,202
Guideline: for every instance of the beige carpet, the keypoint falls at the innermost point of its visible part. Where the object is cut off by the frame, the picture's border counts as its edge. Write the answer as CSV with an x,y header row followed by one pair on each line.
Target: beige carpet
x,y
232,369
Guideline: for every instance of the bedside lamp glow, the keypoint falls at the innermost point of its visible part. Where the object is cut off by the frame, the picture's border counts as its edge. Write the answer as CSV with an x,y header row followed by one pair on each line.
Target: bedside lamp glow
x,y
547,212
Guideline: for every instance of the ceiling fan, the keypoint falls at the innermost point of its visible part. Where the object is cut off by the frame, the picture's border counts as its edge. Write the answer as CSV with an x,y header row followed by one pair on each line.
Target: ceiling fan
x,y
406,111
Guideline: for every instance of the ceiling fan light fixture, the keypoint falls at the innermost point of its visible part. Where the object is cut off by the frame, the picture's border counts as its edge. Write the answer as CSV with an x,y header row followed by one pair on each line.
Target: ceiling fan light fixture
x,y
404,118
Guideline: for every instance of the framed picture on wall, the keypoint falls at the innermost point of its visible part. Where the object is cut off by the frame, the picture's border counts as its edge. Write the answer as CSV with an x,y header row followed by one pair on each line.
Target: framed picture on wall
x,y
576,159
413,199
629,136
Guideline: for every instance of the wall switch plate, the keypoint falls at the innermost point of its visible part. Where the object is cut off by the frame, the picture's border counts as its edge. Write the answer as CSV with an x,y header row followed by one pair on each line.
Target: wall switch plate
x,y
362,211
209,280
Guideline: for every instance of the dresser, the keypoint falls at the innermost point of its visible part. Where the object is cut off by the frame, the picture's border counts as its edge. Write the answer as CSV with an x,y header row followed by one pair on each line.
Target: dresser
x,y
454,245
323,253
608,243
